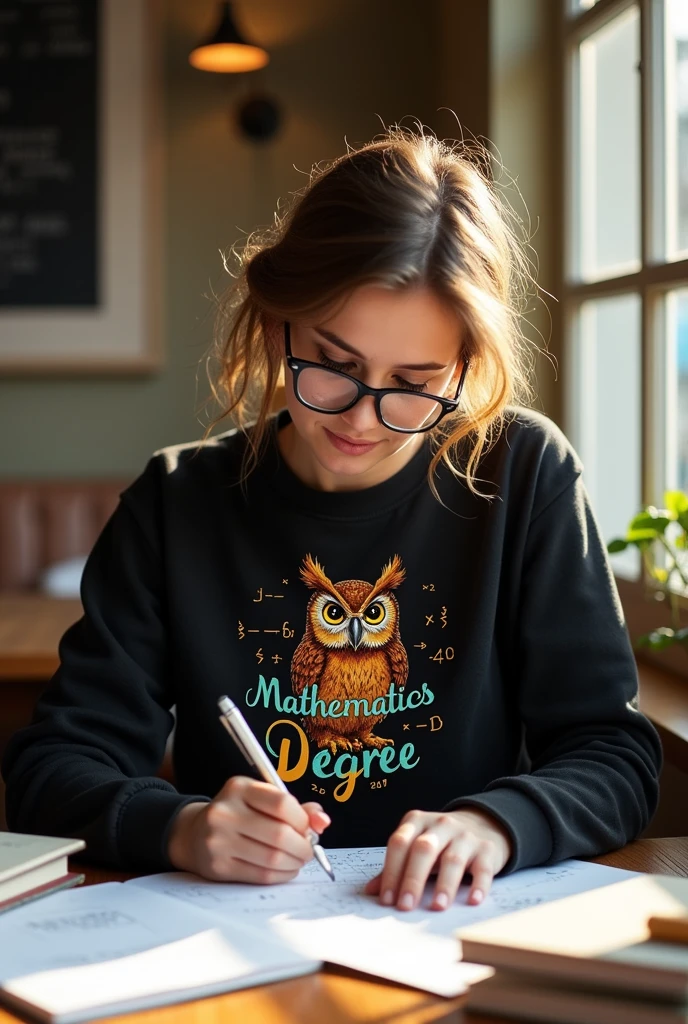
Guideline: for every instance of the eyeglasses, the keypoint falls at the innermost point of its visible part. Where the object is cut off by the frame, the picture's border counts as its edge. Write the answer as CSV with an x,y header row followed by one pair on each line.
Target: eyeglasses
x,y
332,391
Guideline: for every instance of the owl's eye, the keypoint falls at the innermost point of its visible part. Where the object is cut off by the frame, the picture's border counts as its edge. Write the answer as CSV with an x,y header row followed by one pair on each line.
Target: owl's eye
x,y
375,614
333,613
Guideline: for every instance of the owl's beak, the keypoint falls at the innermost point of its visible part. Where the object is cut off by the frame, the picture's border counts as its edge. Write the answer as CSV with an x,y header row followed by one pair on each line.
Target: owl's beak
x,y
355,631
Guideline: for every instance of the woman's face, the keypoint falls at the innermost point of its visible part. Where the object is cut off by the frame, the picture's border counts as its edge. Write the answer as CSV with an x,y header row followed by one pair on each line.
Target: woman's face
x,y
408,339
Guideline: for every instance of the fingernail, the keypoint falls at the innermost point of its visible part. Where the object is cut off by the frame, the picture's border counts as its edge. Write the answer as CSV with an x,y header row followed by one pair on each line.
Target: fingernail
x,y
327,818
441,900
388,898
477,896
406,901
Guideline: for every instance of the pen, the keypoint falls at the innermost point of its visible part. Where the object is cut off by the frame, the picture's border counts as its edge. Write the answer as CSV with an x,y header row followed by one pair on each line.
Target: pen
x,y
238,728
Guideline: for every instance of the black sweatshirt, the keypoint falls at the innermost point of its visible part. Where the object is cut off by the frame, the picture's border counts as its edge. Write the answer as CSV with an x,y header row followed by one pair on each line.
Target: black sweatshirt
x,y
390,652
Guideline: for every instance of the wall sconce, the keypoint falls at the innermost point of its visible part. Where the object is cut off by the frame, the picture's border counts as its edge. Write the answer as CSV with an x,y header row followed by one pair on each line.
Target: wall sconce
x,y
227,51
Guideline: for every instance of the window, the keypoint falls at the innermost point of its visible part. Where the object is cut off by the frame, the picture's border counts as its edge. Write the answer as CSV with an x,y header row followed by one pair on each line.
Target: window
x,y
676,100
625,285
608,151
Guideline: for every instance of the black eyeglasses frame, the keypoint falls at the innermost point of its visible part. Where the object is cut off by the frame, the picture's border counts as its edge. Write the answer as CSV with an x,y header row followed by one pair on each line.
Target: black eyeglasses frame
x,y
296,366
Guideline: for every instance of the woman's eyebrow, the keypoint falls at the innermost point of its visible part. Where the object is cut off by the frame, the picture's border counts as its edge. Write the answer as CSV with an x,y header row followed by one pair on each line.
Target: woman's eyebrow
x,y
336,340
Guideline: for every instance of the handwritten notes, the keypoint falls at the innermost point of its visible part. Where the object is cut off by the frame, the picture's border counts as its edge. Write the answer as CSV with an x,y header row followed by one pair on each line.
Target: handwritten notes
x,y
336,921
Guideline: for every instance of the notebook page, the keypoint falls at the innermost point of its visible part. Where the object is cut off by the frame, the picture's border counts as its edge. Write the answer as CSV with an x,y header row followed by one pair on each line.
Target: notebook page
x,y
109,921
201,965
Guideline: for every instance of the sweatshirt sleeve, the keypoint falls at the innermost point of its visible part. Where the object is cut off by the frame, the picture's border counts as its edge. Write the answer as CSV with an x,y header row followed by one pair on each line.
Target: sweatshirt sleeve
x,y
86,765
595,759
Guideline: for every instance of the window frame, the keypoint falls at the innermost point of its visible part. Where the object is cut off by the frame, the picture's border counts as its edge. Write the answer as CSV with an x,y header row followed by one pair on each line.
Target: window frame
x,y
655,276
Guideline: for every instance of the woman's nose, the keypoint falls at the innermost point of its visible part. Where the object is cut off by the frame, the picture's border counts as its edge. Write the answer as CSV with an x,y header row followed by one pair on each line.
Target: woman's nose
x,y
361,418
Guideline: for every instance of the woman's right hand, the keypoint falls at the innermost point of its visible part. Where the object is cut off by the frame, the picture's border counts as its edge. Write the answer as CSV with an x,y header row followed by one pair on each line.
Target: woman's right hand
x,y
250,832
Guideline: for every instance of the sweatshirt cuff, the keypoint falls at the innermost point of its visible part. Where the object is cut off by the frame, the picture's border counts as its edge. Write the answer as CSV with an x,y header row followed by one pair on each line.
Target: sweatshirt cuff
x,y
144,826
528,828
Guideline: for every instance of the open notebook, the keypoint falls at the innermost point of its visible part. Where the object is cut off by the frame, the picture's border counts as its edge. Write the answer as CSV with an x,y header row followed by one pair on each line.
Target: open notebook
x,y
111,948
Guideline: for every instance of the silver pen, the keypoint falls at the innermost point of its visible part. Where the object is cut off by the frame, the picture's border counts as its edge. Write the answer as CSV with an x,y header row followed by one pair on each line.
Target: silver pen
x,y
239,729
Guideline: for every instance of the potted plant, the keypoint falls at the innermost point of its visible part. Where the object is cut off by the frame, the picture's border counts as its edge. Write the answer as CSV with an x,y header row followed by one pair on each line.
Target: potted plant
x,y
661,536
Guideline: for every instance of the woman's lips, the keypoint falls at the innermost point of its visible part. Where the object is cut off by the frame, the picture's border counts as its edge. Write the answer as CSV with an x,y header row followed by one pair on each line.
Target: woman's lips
x,y
349,447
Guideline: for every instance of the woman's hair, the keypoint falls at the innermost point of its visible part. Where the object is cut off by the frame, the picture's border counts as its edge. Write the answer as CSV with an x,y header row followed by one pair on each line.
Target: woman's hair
x,y
403,211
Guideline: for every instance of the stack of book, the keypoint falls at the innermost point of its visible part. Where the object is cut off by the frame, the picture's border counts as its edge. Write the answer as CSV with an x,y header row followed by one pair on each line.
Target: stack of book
x,y
601,957
33,866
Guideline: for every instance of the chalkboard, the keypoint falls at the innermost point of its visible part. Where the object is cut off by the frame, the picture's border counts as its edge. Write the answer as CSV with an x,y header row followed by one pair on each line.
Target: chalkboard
x,y
49,57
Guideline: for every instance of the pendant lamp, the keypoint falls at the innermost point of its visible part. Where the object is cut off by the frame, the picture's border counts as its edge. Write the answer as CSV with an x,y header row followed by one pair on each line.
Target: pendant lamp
x,y
227,51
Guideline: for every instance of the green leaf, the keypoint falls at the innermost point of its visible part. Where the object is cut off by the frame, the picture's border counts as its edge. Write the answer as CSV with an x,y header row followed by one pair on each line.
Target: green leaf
x,y
676,502
634,535
683,520
658,639
616,545
650,519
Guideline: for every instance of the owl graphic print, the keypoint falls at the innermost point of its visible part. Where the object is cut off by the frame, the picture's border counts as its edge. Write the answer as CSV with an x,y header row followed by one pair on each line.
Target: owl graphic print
x,y
348,673
351,650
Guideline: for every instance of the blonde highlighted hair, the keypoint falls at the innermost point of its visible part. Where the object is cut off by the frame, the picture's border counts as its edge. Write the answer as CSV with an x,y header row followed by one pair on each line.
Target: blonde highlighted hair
x,y
402,211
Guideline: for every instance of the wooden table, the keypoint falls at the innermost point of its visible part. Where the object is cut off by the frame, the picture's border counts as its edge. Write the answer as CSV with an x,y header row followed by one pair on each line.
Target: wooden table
x,y
30,628
338,996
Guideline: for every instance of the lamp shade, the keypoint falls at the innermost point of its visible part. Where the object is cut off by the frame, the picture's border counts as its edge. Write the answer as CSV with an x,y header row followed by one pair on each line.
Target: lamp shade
x,y
226,50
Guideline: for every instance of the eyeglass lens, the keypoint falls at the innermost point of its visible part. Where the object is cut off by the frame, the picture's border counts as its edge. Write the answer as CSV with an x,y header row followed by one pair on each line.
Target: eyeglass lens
x,y
330,392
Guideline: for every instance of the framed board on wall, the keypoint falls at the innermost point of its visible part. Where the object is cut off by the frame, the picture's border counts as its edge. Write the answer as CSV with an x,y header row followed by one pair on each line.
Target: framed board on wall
x,y
80,187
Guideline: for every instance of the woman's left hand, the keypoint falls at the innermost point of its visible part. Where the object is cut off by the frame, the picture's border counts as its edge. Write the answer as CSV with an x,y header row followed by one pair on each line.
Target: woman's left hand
x,y
449,843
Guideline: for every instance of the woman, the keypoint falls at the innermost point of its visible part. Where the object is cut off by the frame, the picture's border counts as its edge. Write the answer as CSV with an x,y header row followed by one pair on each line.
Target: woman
x,y
398,578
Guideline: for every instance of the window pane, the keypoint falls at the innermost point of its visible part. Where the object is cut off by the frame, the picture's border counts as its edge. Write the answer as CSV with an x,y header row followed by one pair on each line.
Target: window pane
x,y
676,406
672,411
607,415
676,97
682,387
608,216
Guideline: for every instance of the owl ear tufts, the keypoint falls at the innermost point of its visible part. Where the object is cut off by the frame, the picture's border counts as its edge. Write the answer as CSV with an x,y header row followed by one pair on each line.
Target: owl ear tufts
x,y
314,576
392,575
